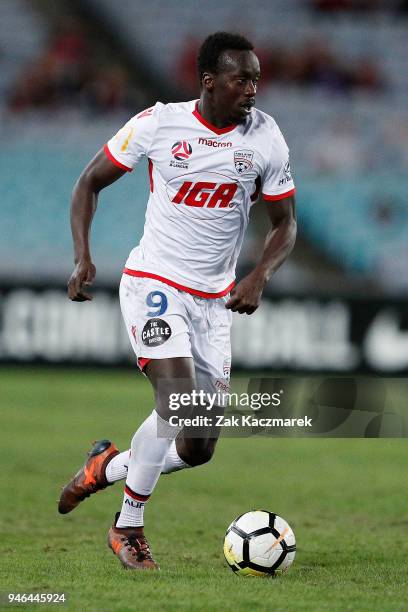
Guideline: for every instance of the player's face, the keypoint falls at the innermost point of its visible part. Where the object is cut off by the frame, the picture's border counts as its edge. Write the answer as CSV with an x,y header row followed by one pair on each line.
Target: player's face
x,y
235,85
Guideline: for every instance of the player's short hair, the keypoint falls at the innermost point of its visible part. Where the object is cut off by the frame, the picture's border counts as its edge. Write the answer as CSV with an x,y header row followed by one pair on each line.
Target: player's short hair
x,y
215,44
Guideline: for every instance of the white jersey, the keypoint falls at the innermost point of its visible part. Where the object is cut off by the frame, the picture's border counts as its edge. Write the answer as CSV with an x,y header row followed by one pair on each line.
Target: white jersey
x,y
203,181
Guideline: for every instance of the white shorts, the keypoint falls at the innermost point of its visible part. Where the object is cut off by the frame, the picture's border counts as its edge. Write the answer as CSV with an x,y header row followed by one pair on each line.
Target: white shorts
x,y
164,322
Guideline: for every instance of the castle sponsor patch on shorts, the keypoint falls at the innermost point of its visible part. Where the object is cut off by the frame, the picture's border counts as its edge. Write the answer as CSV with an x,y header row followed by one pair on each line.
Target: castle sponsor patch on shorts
x,y
156,332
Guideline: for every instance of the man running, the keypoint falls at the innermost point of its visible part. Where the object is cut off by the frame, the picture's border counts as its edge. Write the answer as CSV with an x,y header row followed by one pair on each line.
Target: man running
x,y
210,160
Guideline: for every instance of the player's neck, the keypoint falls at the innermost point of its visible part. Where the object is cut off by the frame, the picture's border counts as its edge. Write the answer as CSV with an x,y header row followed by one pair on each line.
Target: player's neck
x,y
207,111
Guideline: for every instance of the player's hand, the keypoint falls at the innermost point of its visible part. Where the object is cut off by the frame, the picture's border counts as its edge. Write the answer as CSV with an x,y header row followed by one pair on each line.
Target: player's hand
x,y
83,275
246,296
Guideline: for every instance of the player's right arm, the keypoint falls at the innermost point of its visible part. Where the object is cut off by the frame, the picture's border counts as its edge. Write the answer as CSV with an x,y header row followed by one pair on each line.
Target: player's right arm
x,y
99,173
119,155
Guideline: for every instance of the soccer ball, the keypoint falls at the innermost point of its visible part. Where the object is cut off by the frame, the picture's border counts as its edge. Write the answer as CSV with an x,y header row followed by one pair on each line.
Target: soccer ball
x,y
259,543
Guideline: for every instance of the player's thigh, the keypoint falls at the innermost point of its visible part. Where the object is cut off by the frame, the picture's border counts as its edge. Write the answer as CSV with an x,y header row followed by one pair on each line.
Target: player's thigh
x,y
157,322
211,347
211,350
155,318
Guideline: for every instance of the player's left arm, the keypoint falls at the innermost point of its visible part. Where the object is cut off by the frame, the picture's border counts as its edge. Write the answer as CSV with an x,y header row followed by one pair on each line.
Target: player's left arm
x,y
280,240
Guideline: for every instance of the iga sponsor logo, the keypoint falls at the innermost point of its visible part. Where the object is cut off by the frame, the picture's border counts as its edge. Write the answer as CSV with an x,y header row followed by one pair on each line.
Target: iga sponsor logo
x,y
156,332
243,160
206,195
181,150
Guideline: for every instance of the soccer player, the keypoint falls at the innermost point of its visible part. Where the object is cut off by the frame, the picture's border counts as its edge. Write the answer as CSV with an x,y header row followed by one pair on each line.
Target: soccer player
x,y
209,162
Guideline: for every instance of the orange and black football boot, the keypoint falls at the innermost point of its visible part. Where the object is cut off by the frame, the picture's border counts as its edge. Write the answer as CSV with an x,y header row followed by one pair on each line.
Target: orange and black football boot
x,y
90,478
129,544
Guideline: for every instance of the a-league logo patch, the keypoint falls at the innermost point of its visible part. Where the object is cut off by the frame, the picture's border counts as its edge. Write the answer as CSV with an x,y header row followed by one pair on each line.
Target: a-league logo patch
x,y
181,150
243,160
156,332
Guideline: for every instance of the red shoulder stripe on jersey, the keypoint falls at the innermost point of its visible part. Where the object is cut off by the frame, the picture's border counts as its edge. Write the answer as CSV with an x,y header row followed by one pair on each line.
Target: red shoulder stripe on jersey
x,y
141,274
280,196
151,176
209,125
115,161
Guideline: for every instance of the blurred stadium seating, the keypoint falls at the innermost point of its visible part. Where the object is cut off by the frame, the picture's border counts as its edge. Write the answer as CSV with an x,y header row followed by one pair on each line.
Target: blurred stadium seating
x,y
349,144
38,181
166,27
15,18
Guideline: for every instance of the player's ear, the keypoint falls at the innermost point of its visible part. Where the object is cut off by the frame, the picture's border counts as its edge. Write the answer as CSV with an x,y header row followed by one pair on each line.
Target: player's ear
x,y
208,81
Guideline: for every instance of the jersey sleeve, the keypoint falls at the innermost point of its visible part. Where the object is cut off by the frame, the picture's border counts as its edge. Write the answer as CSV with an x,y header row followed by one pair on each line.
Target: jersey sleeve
x,y
277,180
134,139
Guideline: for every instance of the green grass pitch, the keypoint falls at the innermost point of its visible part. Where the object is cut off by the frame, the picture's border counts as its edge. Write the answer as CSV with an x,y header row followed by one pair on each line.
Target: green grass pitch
x,y
345,499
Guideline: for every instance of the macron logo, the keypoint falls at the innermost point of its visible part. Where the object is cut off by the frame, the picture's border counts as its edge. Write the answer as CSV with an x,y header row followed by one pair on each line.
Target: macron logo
x,y
213,143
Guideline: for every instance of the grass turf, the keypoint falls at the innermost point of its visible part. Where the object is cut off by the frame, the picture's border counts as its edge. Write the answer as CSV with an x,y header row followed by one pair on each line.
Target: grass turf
x,y
345,499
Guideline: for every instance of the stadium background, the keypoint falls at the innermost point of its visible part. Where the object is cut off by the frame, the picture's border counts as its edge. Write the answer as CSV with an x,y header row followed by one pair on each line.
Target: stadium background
x,y
335,79
336,82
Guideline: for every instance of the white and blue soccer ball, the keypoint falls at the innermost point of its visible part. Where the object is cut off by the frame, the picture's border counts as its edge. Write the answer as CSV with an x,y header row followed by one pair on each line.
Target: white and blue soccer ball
x,y
259,543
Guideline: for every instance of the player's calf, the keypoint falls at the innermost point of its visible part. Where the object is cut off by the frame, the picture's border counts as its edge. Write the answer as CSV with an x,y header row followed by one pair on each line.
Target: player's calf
x,y
196,451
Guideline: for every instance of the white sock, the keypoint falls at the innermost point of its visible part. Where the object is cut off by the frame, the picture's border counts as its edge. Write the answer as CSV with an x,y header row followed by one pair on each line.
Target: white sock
x,y
117,467
149,447
172,462
132,511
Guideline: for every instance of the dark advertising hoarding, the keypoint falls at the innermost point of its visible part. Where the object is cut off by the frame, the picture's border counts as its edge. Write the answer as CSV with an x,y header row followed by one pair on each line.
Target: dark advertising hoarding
x,y
291,333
